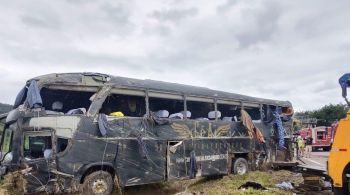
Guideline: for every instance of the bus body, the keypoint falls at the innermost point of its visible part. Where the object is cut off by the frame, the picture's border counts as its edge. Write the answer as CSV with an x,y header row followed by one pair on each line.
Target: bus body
x,y
161,132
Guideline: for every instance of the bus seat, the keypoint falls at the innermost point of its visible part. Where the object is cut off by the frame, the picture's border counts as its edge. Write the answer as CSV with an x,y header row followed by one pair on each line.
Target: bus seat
x,y
77,111
202,119
162,114
187,113
226,118
47,153
211,114
176,116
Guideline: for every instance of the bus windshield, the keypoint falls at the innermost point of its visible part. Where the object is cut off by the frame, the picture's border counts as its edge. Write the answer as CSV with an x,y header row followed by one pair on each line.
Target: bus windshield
x,y
6,143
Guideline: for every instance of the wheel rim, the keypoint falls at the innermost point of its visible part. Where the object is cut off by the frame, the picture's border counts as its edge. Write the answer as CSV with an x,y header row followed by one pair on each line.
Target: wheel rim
x,y
99,186
241,168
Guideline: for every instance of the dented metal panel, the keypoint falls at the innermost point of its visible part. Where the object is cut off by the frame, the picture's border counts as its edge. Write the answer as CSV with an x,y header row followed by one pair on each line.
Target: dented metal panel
x,y
64,126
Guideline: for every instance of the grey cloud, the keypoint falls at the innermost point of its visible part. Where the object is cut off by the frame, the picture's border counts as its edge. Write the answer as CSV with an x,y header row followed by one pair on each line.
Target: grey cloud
x,y
116,13
322,85
70,56
266,49
226,6
322,21
174,15
157,29
48,21
265,24
79,2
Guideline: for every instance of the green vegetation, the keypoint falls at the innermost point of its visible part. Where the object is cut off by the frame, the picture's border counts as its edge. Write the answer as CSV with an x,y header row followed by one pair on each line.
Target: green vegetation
x,y
225,185
326,115
5,108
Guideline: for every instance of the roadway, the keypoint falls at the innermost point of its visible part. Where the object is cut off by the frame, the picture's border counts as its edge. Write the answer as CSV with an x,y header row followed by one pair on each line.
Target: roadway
x,y
318,160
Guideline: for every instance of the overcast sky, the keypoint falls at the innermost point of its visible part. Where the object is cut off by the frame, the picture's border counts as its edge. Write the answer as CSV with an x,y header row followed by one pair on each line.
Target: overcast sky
x,y
285,50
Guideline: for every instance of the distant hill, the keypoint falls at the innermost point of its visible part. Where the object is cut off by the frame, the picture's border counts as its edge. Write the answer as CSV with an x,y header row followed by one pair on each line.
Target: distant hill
x,y
5,108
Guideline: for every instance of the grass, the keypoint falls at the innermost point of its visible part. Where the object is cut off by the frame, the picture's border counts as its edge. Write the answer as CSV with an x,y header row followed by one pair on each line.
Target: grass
x,y
208,186
230,184
225,185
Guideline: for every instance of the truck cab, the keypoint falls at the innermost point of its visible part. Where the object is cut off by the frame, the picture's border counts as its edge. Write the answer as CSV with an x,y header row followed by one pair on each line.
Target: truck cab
x,y
338,165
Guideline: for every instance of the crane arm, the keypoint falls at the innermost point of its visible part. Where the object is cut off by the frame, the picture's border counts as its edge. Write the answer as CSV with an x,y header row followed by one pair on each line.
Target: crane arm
x,y
344,82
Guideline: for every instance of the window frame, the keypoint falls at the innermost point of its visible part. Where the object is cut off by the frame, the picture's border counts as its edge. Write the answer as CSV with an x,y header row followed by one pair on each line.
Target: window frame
x,y
44,133
3,141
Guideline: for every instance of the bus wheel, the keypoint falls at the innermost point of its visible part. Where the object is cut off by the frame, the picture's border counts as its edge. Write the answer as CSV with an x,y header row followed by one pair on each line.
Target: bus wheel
x,y
240,166
345,190
98,183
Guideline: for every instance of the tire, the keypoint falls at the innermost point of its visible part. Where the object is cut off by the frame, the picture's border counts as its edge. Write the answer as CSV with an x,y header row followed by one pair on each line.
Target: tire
x,y
240,166
345,190
98,183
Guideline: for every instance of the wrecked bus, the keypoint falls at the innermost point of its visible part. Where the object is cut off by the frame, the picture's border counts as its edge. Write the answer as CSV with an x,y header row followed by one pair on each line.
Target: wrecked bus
x,y
93,132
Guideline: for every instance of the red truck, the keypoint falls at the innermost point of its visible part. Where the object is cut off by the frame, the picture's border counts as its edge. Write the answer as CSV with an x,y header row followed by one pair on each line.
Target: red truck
x,y
322,137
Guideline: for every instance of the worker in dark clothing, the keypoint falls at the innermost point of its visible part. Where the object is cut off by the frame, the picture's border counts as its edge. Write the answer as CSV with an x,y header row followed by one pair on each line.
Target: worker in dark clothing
x,y
308,148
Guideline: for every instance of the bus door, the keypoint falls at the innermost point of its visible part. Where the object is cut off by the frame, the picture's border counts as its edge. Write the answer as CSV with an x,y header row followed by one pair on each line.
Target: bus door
x,y
176,160
37,153
183,159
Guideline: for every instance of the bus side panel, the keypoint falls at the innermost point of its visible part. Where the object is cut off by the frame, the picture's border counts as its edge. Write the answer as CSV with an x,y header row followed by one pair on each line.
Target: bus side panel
x,y
85,150
141,162
214,157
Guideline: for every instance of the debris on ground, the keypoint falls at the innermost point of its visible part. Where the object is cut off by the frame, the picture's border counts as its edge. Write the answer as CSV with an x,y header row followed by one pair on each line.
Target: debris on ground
x,y
251,184
12,183
287,176
285,186
256,182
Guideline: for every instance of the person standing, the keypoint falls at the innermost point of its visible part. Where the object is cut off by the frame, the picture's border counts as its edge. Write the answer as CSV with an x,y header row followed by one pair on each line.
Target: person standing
x,y
308,147
301,146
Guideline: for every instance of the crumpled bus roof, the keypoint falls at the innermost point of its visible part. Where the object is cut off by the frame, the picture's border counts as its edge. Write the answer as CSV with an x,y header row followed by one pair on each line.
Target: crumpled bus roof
x,y
124,82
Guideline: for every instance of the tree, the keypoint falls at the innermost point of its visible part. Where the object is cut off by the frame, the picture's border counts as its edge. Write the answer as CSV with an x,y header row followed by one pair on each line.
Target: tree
x,y
324,116
5,108
329,114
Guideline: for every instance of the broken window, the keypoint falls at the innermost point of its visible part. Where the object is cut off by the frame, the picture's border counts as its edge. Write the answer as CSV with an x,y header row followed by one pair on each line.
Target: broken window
x,y
62,144
253,112
69,100
37,145
267,115
230,112
129,105
171,105
6,143
199,109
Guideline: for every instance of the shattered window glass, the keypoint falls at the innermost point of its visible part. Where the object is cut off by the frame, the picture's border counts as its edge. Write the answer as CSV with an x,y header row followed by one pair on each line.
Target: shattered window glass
x,y
128,105
232,112
62,144
65,100
199,109
170,105
254,113
7,141
37,146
